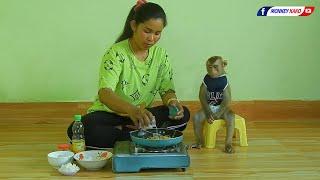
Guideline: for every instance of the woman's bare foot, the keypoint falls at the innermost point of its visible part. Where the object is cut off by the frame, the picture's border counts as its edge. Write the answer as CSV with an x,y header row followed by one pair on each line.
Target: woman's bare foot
x,y
119,127
229,149
196,146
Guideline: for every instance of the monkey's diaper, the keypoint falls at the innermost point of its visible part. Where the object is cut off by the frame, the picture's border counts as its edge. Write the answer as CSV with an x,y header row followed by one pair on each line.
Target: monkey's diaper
x,y
214,109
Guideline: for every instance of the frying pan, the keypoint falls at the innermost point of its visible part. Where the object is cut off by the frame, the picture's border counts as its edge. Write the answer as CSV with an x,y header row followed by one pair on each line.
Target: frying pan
x,y
143,140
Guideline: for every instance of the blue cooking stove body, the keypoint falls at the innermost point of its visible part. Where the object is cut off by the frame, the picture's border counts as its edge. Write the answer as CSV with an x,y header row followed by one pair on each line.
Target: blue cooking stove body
x,y
128,157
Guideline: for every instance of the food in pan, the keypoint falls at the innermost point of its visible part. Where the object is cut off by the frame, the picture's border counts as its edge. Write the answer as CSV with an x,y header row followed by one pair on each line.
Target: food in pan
x,y
158,137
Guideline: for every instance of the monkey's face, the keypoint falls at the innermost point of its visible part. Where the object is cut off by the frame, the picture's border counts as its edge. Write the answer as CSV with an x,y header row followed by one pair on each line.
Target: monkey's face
x,y
215,69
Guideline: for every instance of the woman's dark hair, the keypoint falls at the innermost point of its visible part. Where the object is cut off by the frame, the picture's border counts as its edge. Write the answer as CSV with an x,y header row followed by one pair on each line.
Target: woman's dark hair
x,y
143,13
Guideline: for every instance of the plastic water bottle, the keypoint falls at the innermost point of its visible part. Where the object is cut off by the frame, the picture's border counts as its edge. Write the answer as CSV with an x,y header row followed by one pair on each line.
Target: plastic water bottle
x,y
78,141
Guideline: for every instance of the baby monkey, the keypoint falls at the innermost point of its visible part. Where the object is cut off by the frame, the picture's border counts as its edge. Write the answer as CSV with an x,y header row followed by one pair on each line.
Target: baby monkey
x,y
215,98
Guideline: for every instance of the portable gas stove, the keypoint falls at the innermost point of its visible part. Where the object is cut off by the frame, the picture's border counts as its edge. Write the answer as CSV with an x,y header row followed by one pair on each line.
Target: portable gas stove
x,y
129,157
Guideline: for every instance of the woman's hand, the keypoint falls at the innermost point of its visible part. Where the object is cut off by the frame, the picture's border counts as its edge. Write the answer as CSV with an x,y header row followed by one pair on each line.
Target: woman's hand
x,y
176,104
140,116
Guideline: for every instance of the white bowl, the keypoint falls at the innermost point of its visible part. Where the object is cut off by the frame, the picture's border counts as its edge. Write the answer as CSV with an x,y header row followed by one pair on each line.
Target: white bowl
x,y
69,169
57,158
93,159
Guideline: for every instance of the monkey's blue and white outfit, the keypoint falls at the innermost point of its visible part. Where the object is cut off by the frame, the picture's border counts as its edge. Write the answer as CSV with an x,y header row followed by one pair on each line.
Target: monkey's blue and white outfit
x,y
215,88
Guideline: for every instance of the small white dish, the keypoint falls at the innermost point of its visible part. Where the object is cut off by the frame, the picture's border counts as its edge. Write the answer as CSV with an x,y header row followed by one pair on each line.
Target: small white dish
x,y
69,169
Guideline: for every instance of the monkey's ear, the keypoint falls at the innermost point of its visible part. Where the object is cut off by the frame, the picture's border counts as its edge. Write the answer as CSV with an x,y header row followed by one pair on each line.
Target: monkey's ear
x,y
225,62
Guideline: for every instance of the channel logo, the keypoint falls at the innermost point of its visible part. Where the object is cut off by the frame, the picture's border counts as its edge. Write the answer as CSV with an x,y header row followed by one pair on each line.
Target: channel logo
x,y
285,11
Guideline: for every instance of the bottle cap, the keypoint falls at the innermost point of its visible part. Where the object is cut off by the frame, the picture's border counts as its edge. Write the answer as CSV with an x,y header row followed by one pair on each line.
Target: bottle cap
x,y
63,147
77,117
173,111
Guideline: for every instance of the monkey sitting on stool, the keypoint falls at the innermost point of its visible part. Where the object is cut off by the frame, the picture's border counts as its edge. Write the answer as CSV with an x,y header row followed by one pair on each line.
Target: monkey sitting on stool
x,y
215,98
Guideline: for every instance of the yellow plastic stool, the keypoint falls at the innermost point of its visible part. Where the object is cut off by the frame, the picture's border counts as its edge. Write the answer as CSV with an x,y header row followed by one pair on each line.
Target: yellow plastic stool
x,y
210,131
